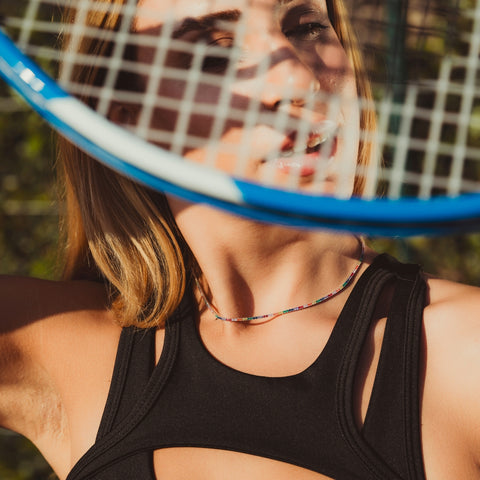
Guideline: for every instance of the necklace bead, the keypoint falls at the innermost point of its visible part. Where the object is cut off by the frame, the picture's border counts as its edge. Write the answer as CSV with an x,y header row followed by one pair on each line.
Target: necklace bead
x,y
289,310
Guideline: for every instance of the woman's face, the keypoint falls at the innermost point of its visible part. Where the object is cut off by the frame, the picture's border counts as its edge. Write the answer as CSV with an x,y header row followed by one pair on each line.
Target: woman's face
x,y
291,86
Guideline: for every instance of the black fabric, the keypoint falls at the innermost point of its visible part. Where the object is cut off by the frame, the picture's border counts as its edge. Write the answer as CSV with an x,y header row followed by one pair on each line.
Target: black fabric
x,y
191,399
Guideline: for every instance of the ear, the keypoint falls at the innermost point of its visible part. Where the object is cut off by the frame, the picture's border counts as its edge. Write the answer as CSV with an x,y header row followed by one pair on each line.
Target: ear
x,y
123,114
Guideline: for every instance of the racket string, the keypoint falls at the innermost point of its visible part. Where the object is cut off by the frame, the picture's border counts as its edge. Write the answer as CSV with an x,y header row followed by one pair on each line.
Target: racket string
x,y
440,158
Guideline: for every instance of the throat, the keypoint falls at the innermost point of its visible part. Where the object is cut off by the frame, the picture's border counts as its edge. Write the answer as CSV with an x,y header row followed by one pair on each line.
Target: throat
x,y
263,317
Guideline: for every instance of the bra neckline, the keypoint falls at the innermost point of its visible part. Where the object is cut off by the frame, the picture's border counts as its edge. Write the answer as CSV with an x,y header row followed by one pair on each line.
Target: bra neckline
x,y
339,333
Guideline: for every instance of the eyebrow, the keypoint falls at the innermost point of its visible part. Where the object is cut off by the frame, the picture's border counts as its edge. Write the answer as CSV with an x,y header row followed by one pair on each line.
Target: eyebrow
x,y
205,22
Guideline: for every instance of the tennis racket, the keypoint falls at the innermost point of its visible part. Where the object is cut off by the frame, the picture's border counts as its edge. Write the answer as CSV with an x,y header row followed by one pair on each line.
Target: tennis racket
x,y
267,110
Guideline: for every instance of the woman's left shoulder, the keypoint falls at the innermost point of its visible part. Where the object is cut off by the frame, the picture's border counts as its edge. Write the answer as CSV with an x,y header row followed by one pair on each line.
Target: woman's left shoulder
x,y
452,359
452,304
446,297
452,322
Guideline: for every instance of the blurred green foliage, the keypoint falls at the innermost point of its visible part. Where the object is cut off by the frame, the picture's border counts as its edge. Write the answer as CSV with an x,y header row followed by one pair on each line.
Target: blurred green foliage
x,y
28,212
19,460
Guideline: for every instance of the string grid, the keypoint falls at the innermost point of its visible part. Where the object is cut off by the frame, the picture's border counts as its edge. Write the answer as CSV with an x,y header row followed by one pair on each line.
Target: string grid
x,y
425,81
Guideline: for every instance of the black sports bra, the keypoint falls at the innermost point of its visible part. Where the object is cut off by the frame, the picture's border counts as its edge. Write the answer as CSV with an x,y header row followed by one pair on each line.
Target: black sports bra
x,y
307,419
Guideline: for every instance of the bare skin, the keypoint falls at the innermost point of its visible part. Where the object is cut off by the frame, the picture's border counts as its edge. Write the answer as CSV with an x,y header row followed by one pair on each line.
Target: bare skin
x,y
58,351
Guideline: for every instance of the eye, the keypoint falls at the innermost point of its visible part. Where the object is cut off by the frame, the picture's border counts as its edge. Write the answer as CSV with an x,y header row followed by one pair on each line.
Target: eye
x,y
305,32
218,63
304,23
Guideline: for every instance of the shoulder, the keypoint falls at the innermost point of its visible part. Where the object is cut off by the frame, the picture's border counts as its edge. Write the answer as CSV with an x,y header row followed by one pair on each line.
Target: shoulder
x,y
39,317
452,360
34,312
452,308
36,292
53,335
452,316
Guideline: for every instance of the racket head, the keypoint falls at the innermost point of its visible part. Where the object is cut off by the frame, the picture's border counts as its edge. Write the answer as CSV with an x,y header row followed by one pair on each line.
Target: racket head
x,y
414,202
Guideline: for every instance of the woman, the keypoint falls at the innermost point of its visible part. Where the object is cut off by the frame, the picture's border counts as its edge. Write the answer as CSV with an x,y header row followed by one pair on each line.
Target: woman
x,y
293,395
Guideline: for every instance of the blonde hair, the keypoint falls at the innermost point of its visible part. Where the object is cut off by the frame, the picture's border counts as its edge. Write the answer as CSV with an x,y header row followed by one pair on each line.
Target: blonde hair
x,y
123,234
368,120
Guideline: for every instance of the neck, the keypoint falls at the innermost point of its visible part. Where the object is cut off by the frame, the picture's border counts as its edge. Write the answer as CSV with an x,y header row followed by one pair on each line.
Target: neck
x,y
268,316
251,269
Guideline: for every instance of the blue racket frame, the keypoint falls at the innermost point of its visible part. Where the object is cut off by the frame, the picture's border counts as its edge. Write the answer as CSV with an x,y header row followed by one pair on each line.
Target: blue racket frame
x,y
197,183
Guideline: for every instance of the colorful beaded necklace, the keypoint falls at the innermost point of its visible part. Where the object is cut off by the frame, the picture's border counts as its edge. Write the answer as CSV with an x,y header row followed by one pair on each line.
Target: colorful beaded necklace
x,y
290,310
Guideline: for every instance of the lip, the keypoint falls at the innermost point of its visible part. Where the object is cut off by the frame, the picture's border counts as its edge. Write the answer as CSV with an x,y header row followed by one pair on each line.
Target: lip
x,y
319,134
306,154
307,164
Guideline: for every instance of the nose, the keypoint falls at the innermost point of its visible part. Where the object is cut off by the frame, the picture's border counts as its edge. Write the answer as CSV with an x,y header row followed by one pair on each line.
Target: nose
x,y
288,79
